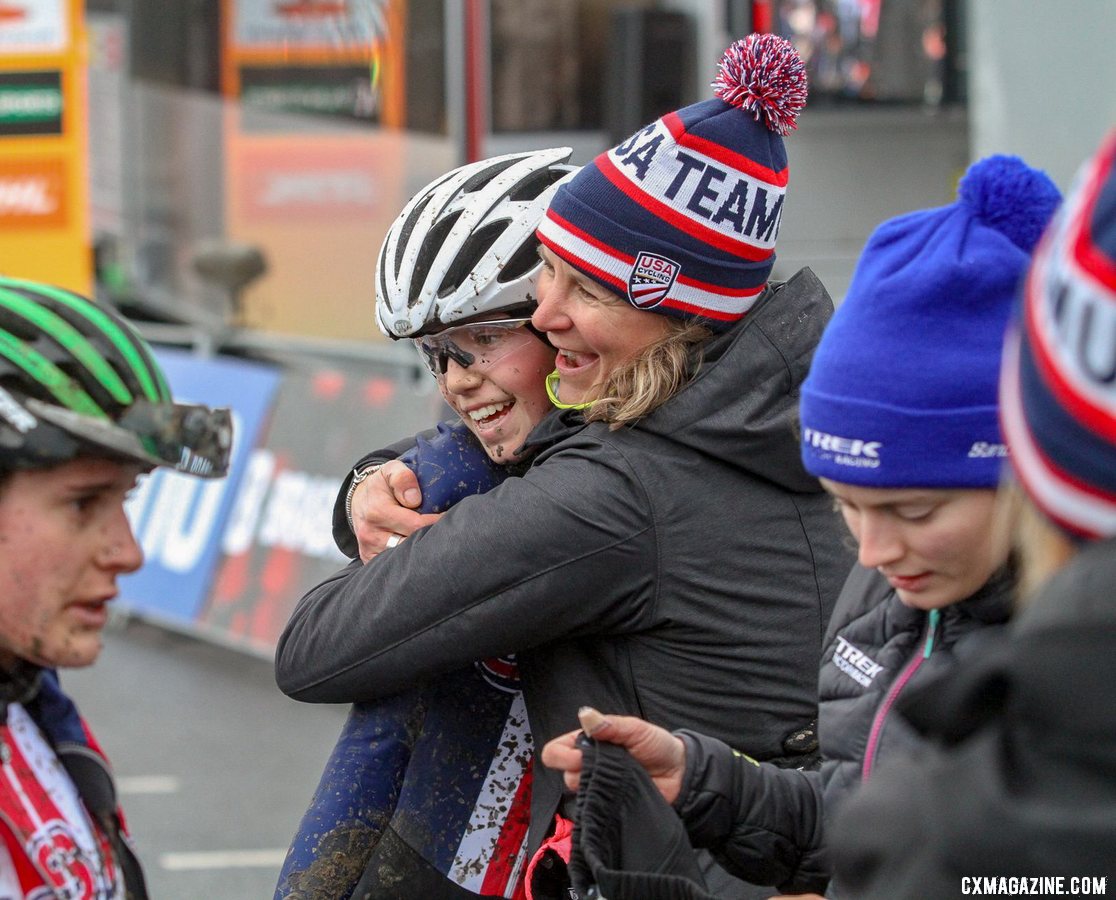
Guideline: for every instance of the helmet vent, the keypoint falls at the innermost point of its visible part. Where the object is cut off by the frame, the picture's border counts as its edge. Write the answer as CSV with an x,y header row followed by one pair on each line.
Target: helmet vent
x,y
523,260
535,184
16,325
427,254
467,258
405,233
486,175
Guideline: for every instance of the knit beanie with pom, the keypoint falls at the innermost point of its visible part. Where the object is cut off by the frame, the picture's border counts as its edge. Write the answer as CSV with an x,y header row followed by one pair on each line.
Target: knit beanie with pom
x,y
1058,391
902,391
681,218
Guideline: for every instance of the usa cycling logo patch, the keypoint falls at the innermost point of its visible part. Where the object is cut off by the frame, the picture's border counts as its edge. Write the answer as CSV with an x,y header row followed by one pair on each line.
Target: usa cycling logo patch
x,y
651,280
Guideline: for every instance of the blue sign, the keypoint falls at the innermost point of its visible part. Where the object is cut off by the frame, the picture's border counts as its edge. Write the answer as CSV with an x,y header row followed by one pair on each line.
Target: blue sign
x,y
179,519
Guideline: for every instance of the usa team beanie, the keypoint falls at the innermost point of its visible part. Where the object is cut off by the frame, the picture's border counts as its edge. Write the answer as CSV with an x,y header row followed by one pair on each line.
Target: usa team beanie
x,y
681,218
902,391
1058,389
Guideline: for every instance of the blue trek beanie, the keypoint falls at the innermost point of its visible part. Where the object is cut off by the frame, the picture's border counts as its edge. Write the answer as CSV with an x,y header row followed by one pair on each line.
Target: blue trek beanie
x,y
681,218
902,389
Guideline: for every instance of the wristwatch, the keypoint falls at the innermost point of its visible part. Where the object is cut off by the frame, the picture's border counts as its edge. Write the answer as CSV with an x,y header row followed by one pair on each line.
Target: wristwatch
x,y
359,474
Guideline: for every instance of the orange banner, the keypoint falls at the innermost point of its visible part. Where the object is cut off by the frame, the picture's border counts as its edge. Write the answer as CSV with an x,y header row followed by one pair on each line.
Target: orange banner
x,y
33,193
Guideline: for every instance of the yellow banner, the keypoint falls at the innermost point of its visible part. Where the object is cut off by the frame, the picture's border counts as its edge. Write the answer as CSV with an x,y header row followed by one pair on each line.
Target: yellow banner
x,y
44,207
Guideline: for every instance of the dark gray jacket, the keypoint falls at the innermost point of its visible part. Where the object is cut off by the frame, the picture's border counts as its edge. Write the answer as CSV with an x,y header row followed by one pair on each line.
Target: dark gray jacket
x,y
1018,777
682,569
768,824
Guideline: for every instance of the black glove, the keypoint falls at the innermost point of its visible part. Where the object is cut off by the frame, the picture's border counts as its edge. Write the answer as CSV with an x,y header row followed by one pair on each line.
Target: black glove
x,y
628,843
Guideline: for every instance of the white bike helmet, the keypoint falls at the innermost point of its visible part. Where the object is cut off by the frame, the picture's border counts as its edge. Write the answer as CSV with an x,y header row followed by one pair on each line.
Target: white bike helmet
x,y
465,245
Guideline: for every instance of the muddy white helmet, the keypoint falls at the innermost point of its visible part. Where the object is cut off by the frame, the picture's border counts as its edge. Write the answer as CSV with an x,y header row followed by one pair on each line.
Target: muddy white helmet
x,y
465,245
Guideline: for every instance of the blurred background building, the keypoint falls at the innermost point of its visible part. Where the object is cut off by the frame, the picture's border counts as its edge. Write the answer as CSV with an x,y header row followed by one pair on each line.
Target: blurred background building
x,y
223,171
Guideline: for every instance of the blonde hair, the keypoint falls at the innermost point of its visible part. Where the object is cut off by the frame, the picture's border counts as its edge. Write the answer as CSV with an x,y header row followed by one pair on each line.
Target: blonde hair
x,y
641,385
1041,548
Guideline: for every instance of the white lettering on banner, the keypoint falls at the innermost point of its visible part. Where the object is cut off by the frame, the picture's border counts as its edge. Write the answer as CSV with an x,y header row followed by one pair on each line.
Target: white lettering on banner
x,y
45,101
246,509
282,508
135,506
299,514
348,188
188,534
700,187
181,512
30,196
174,515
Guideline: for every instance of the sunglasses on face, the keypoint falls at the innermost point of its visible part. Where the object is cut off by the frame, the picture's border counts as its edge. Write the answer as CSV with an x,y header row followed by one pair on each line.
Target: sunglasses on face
x,y
479,346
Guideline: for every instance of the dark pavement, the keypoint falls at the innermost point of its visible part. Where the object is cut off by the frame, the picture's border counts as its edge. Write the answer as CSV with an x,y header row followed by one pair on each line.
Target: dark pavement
x,y
215,765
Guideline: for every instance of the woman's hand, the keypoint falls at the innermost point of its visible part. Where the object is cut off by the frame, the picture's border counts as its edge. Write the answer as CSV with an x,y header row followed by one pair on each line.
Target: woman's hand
x,y
383,506
661,753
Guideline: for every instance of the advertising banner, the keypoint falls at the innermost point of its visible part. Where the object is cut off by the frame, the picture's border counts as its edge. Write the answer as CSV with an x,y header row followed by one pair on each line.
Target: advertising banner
x,y
44,210
30,103
178,519
34,26
279,539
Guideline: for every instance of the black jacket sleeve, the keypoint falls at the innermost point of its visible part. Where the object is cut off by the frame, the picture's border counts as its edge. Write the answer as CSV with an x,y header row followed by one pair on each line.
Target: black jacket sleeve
x,y
763,823
569,548
342,534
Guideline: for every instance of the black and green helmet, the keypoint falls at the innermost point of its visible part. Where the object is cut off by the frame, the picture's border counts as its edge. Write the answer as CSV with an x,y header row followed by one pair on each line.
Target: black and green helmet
x,y
75,379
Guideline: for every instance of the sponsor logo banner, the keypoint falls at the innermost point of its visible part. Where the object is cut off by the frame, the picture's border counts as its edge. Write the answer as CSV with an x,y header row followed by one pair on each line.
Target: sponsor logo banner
x,y
284,25
34,26
30,103
178,519
33,193
278,540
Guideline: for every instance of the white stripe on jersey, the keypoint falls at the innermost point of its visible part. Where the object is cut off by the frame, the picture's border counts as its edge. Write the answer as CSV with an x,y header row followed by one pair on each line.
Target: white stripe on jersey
x,y
513,756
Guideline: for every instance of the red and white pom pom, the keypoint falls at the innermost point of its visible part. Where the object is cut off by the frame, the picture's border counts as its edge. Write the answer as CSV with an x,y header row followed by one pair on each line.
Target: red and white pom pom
x,y
764,75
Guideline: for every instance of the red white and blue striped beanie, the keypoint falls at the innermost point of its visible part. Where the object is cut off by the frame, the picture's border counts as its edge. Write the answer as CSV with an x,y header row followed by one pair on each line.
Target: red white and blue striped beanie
x,y
681,218
1058,386
902,389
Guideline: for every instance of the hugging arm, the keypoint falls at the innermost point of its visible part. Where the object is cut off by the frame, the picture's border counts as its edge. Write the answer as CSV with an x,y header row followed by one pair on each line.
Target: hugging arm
x,y
379,507
539,557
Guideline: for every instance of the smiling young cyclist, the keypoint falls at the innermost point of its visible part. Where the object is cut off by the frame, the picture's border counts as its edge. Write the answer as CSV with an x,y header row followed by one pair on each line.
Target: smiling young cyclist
x,y
427,793
899,421
665,541
84,411
492,375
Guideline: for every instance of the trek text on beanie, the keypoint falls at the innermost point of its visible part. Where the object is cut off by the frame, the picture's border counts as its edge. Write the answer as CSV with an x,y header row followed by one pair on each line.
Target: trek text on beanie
x,y
681,218
1058,391
902,388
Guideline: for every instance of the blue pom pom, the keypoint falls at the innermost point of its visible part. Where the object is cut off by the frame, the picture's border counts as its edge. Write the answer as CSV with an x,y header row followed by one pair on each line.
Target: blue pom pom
x,y
1008,195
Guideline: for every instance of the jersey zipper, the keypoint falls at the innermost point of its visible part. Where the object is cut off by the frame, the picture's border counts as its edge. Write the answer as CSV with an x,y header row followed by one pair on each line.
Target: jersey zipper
x,y
893,693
